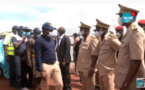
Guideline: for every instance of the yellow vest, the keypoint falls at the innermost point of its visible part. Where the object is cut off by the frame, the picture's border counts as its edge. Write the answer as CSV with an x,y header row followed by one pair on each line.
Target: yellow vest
x,y
10,47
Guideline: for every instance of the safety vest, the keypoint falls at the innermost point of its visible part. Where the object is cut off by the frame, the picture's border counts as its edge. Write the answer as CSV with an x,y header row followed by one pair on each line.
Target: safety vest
x,y
10,47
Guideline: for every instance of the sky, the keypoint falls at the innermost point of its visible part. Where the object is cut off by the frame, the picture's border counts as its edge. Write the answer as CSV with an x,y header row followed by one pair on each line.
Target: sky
x,y
63,13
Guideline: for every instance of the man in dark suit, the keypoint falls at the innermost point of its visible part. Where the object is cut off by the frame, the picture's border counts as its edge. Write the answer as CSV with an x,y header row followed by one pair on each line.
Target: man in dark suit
x,y
64,57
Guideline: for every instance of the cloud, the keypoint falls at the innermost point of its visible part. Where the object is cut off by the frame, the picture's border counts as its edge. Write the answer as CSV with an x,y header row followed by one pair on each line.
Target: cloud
x,y
67,15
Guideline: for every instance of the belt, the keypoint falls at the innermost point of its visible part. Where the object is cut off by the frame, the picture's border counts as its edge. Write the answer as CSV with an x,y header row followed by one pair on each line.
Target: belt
x,y
50,63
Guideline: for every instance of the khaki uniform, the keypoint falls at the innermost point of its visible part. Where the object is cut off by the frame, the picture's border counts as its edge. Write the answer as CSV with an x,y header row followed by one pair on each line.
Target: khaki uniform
x,y
132,48
84,61
96,73
31,62
106,52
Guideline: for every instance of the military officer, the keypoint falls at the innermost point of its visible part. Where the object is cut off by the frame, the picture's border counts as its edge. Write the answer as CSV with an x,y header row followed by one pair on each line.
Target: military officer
x,y
96,72
106,55
141,23
84,61
130,65
119,32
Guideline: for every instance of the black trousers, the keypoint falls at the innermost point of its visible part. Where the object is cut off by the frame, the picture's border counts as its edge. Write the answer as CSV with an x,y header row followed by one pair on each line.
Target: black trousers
x,y
66,76
12,70
24,80
30,73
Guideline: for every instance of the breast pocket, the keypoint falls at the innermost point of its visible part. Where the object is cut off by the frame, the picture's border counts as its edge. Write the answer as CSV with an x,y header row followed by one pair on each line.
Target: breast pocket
x,y
85,49
85,46
104,49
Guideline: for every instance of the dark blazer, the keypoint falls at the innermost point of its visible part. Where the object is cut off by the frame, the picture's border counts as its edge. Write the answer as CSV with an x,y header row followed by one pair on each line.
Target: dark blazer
x,y
64,50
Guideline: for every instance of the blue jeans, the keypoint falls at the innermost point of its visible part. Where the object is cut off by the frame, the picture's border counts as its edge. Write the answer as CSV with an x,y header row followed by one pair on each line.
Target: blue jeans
x,y
17,60
12,70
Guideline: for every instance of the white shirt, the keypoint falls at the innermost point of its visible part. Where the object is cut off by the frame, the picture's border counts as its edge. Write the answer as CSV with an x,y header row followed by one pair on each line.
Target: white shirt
x,y
58,41
60,38
5,41
19,38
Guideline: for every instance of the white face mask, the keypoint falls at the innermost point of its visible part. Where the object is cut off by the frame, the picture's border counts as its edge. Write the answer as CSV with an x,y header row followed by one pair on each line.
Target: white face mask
x,y
97,34
118,34
124,28
81,33
39,35
120,21
50,34
100,33
94,33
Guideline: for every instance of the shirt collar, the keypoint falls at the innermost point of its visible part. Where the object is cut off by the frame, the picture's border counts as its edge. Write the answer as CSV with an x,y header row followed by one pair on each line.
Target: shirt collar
x,y
107,34
12,34
87,38
46,38
61,36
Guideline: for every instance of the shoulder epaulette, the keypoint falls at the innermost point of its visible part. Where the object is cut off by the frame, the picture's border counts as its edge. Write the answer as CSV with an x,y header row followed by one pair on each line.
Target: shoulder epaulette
x,y
93,37
134,27
112,35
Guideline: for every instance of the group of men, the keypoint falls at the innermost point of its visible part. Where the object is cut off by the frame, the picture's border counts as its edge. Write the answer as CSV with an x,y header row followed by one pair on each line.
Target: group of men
x,y
32,57
18,47
117,60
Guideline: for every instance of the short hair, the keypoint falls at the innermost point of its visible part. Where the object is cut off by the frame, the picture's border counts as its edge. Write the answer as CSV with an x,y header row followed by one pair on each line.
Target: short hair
x,y
75,34
61,29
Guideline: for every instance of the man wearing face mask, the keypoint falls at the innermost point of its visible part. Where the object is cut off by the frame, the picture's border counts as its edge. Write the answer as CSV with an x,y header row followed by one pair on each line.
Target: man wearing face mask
x,y
106,56
45,57
96,33
27,31
34,75
9,53
64,57
85,58
130,64
19,42
119,32
76,39
141,23
76,50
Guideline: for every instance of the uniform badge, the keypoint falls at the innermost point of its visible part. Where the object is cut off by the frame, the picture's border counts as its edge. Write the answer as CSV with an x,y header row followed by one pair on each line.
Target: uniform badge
x,y
85,45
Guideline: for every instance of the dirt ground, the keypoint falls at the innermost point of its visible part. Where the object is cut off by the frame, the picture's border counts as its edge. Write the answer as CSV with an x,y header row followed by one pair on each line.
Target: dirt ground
x,y
4,83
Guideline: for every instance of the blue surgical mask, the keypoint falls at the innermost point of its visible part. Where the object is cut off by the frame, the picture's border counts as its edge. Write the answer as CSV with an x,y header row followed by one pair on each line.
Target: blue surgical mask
x,y
28,33
38,35
23,33
58,34
16,32
80,37
32,35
